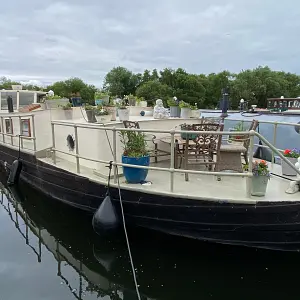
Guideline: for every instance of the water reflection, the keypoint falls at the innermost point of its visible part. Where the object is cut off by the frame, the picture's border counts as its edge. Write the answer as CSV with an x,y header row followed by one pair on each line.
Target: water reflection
x,y
167,268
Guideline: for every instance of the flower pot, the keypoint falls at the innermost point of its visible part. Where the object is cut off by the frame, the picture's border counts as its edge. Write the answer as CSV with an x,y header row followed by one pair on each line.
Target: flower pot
x,y
149,112
195,113
91,116
185,112
134,175
68,114
123,114
259,185
174,111
113,112
286,169
103,118
132,102
184,136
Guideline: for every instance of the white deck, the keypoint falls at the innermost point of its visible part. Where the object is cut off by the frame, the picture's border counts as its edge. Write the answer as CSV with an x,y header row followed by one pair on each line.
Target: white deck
x,y
229,189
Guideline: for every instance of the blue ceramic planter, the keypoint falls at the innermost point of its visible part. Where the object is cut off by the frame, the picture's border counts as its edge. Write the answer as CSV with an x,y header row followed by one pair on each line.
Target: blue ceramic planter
x,y
134,175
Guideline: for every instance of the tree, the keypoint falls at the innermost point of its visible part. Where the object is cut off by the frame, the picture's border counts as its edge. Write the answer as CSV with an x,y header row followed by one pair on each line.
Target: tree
x,y
74,86
120,81
153,90
6,83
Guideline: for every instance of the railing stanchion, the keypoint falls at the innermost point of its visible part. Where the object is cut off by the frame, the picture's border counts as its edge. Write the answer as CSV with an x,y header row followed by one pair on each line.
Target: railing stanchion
x,y
21,140
250,166
53,143
77,149
115,153
274,140
11,136
33,133
2,130
172,163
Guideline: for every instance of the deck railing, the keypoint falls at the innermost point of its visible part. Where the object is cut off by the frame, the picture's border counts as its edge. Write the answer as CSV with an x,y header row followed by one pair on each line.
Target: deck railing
x,y
171,169
4,133
275,127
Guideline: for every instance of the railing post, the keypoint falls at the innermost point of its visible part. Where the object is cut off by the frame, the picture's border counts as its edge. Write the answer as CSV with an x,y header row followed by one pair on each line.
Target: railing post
x,y
33,133
2,130
250,165
77,149
21,140
53,143
172,163
11,135
115,153
274,139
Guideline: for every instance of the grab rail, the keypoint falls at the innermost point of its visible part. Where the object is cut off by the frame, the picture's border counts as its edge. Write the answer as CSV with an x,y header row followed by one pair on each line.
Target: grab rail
x,y
171,169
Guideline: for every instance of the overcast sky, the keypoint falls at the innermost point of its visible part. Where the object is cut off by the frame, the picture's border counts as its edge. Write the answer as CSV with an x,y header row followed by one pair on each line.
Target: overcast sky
x,y
48,40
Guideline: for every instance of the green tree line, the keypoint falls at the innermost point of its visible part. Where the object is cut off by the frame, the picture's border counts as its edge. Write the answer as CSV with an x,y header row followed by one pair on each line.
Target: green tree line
x,y
254,85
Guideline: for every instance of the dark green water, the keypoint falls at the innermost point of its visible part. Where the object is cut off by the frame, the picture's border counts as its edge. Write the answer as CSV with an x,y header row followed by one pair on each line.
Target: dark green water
x,y
48,251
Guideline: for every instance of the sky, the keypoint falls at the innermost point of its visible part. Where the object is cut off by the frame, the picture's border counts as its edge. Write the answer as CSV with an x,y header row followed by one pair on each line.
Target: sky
x,y
45,41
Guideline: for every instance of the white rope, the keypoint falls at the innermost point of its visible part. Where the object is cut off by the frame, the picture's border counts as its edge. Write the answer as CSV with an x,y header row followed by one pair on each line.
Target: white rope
x,y
124,226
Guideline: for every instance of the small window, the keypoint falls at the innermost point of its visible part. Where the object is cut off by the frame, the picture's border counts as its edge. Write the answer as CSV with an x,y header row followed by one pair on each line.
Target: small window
x,y
9,126
25,127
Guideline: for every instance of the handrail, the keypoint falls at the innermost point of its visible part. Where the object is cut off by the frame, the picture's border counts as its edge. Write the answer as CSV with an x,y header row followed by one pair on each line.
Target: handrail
x,y
266,122
251,134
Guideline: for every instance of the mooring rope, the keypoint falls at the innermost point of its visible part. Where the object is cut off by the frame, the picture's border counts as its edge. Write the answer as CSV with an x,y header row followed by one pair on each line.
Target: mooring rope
x,y
124,224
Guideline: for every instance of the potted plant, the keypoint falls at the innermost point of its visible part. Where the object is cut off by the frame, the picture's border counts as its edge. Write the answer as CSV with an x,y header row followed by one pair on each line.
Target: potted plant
x,y
131,99
55,101
67,108
135,153
140,101
260,178
123,112
90,113
292,156
173,103
111,107
238,138
185,110
190,136
102,114
101,98
195,112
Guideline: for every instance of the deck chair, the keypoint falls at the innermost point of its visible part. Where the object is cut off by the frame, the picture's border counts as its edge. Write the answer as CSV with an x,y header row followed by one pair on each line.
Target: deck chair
x,y
202,149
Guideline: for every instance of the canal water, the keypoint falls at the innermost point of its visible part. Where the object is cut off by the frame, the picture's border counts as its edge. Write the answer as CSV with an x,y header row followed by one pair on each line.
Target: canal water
x,y
49,251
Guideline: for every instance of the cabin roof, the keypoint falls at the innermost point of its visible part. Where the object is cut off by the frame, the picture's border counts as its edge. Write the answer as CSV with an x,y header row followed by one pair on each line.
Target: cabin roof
x,y
24,91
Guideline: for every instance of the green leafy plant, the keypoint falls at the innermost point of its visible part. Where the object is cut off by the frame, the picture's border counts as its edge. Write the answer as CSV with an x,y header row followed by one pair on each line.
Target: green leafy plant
x,y
134,144
100,95
183,104
89,107
54,97
172,102
294,153
259,168
194,107
101,111
122,104
67,106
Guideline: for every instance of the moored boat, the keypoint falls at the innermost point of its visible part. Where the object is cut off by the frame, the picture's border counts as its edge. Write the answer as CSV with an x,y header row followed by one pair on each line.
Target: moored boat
x,y
67,159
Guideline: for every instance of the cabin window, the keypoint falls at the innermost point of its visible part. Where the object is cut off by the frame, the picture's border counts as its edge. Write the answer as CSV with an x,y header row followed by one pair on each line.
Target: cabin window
x,y
25,127
9,126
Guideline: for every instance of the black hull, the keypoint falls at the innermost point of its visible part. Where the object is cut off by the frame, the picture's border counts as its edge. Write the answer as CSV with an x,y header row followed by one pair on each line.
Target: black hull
x,y
268,225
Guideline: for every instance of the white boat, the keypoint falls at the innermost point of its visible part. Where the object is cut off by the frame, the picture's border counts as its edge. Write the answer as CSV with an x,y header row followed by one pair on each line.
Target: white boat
x,y
67,159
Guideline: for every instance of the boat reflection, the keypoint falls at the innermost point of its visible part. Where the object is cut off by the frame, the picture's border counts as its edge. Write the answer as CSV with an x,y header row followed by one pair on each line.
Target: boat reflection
x,y
167,268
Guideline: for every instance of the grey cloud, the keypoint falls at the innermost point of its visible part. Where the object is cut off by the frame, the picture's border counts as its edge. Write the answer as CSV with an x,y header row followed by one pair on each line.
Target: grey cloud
x,y
52,40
